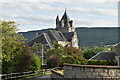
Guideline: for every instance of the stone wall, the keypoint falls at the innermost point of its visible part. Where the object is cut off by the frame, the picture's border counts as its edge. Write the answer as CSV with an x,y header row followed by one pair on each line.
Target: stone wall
x,y
85,72
91,71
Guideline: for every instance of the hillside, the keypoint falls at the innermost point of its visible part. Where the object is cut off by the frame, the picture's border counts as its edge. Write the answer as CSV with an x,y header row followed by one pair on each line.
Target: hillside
x,y
87,36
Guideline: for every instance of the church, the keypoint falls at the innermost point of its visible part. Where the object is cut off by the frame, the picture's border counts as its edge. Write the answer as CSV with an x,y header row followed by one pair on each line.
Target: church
x,y
64,34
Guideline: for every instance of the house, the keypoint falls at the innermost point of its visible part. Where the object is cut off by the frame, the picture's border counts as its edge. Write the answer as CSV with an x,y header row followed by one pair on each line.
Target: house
x,y
107,55
117,49
104,55
64,34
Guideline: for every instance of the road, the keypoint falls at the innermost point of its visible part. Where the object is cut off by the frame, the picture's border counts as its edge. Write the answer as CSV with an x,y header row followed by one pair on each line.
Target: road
x,y
45,77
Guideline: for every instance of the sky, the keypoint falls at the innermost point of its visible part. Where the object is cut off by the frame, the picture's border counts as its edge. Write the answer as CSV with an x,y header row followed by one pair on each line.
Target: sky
x,y
41,14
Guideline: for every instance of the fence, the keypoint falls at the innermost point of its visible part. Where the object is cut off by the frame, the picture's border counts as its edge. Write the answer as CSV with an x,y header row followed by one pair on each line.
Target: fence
x,y
23,74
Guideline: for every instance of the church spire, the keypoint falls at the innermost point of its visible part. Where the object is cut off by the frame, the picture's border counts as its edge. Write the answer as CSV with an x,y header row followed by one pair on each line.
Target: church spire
x,y
57,18
65,16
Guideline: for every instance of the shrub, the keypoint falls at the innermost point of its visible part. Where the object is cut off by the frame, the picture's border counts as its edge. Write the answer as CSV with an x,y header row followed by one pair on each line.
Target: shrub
x,y
24,59
35,62
53,61
100,62
74,56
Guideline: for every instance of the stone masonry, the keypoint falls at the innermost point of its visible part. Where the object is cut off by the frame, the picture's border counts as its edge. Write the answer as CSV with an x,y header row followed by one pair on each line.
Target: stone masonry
x,y
75,71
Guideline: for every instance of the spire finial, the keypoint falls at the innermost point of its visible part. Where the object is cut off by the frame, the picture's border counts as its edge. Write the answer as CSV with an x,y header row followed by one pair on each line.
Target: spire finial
x,y
65,9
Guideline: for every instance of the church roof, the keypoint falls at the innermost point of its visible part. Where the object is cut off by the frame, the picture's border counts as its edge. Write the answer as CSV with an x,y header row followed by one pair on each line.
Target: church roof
x,y
68,35
56,35
51,35
43,38
104,55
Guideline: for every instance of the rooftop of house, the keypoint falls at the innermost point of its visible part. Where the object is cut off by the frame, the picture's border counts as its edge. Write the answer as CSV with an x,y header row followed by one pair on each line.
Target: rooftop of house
x,y
104,55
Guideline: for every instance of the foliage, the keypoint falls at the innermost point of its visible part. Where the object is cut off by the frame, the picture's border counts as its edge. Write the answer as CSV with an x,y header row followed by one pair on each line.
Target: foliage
x,y
36,48
12,46
68,55
25,59
16,55
57,51
91,51
35,62
100,62
74,56
53,61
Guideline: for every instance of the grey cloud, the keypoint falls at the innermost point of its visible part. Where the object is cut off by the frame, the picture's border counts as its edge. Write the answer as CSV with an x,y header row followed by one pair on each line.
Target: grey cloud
x,y
43,14
89,22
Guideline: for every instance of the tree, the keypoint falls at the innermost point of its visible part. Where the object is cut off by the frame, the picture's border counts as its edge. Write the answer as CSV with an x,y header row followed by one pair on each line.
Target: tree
x,y
35,62
68,54
25,59
74,56
37,48
57,51
91,51
15,53
12,46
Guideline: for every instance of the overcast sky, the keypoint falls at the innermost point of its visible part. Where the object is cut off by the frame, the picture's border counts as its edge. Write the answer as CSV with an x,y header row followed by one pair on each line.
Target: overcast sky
x,y
41,14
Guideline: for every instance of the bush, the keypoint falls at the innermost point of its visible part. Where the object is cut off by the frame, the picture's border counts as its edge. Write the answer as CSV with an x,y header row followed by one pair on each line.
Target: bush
x,y
24,59
74,56
100,62
53,61
35,62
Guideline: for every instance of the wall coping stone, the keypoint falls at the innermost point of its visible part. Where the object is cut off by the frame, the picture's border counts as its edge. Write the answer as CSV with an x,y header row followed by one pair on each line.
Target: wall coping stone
x,y
93,66
54,71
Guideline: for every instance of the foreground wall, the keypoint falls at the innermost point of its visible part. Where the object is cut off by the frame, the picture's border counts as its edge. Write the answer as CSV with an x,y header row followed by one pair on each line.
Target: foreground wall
x,y
91,71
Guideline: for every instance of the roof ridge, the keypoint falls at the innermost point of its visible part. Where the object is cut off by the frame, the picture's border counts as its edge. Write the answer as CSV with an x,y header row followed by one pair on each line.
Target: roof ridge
x,y
54,35
63,36
95,55
46,39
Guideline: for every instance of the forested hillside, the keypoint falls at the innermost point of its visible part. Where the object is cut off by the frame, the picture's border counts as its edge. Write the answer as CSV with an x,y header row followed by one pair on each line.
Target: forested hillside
x,y
95,36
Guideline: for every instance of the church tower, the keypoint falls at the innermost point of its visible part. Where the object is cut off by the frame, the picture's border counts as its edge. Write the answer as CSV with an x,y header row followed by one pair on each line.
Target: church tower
x,y
57,23
65,24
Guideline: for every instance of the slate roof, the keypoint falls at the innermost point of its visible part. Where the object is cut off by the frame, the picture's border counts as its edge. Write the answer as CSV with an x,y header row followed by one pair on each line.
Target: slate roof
x,y
69,35
49,36
104,55
42,38
56,35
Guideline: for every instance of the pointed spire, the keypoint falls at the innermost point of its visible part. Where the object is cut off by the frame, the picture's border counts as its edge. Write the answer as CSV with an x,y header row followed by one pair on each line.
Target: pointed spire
x,y
65,16
57,18
65,13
